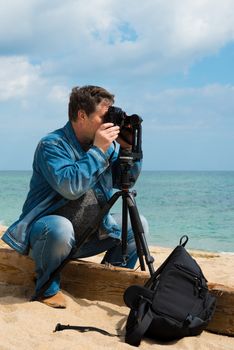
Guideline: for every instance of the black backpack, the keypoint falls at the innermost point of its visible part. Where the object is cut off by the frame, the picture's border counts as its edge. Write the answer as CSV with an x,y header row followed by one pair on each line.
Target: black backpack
x,y
175,302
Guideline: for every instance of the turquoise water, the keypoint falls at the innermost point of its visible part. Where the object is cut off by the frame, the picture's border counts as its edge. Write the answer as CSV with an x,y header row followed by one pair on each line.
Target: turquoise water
x,y
199,204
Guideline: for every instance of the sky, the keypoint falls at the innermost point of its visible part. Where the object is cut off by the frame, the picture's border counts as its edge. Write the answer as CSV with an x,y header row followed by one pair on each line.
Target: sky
x,y
171,62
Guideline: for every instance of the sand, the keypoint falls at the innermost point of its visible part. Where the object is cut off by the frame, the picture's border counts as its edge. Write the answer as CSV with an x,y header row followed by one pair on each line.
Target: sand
x,y
29,325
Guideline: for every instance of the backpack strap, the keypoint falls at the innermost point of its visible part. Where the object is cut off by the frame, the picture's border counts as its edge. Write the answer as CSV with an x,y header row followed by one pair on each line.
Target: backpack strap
x,y
185,242
135,334
82,329
135,293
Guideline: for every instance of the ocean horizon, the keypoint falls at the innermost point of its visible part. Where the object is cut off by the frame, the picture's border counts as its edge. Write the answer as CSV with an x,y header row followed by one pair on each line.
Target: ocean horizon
x,y
199,204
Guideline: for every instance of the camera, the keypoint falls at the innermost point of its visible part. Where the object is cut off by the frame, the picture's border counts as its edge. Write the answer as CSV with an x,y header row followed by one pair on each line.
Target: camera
x,y
130,131
127,123
118,117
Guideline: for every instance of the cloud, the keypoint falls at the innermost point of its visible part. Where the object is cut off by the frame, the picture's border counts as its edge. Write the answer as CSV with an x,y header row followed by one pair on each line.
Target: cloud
x,y
59,93
100,36
18,77
24,81
206,108
133,48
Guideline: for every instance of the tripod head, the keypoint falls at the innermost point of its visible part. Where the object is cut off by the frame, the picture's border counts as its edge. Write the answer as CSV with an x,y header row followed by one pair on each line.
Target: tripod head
x,y
128,157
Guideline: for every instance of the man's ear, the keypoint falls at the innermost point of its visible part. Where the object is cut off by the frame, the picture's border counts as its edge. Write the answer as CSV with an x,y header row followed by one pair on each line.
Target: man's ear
x,y
81,114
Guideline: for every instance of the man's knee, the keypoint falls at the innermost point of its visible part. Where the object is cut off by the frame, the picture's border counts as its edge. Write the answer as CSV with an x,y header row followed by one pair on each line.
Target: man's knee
x,y
61,229
54,229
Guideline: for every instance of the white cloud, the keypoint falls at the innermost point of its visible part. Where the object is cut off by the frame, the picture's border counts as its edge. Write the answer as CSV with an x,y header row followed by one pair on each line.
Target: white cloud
x,y
101,35
59,93
17,77
16,21
126,46
20,79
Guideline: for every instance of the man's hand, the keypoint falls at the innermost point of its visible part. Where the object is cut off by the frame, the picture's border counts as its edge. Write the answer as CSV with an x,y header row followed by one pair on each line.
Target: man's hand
x,y
105,135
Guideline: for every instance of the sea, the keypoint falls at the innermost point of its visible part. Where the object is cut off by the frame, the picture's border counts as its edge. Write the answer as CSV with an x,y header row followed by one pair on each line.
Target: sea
x,y
199,204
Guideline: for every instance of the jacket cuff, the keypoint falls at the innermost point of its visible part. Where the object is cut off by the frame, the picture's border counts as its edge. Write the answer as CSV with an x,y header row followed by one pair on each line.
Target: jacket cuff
x,y
99,154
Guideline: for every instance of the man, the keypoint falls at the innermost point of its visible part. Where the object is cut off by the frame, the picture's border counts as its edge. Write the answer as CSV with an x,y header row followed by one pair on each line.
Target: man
x,y
75,170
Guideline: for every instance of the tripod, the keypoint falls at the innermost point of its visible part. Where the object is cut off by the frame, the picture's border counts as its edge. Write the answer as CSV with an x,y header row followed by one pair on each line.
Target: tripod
x,y
126,159
129,206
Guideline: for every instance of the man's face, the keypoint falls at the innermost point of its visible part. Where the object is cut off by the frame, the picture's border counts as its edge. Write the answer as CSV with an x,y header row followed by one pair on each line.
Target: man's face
x,y
96,119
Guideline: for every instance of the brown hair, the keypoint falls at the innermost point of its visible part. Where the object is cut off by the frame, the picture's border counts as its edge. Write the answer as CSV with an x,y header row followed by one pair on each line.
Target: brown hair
x,y
86,98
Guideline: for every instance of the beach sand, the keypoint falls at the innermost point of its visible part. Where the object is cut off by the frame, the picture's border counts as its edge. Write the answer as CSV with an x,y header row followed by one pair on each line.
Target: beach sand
x,y
29,325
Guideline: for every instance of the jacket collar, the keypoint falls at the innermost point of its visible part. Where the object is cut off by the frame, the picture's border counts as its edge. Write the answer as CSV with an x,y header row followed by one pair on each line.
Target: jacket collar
x,y
70,134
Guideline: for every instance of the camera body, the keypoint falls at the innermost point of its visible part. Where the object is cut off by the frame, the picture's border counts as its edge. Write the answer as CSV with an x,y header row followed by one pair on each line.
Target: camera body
x,y
130,130
118,117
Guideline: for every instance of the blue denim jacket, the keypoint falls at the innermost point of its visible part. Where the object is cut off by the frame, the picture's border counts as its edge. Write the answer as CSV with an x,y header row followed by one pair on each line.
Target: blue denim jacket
x,y
63,171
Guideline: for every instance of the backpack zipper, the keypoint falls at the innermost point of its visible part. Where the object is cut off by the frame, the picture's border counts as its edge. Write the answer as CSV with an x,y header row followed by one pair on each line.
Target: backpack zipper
x,y
182,268
197,279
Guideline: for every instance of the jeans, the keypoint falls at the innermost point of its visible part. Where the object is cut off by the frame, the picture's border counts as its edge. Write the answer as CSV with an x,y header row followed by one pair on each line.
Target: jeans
x,y
52,238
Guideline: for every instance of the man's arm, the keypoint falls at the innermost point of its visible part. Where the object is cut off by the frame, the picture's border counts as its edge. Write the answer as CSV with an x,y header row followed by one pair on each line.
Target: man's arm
x,y
73,178
68,177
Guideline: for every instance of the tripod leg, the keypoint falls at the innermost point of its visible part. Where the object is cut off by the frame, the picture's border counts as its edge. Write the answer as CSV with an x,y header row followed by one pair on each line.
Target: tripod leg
x,y
137,241
139,232
139,252
124,227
